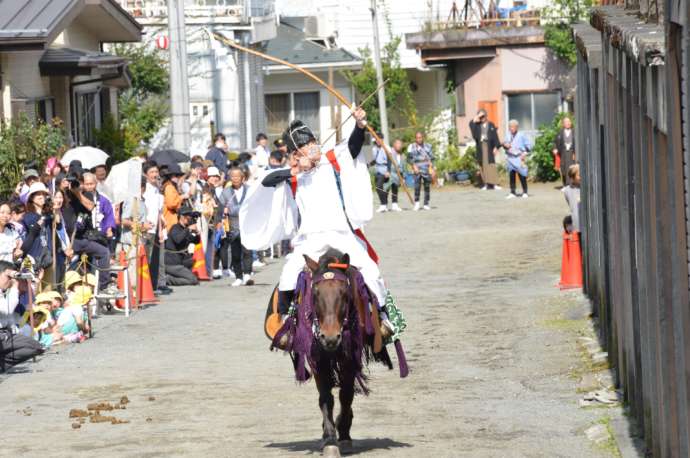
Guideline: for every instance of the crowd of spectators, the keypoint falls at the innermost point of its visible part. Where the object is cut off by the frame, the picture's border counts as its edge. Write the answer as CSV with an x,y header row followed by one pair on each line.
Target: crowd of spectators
x,y
62,231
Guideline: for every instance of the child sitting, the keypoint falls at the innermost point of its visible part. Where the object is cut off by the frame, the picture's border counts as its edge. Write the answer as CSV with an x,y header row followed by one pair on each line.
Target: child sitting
x,y
71,317
49,330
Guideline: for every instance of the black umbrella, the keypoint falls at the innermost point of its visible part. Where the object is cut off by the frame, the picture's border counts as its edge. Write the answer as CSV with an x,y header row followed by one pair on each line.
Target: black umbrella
x,y
169,156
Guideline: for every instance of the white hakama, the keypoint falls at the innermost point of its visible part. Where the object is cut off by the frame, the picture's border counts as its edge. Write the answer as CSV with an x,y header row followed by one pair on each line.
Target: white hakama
x,y
269,215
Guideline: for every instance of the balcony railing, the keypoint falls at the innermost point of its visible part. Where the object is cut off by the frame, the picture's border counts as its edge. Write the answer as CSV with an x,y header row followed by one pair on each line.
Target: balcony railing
x,y
514,17
154,9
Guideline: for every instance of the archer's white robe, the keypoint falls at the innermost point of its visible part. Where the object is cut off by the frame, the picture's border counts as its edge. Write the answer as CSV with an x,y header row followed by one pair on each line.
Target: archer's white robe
x,y
269,215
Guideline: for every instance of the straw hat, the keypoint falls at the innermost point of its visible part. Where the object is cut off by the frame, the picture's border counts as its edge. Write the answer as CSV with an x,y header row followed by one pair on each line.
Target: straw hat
x,y
47,296
81,297
43,315
73,277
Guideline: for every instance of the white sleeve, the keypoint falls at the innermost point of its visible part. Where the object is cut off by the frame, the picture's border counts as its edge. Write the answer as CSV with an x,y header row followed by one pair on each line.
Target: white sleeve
x,y
267,215
356,182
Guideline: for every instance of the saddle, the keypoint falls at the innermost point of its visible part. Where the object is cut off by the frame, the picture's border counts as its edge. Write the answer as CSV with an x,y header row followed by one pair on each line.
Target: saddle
x,y
273,321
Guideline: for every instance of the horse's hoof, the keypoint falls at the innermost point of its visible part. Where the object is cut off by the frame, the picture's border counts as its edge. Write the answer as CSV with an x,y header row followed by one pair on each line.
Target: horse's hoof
x,y
345,446
331,451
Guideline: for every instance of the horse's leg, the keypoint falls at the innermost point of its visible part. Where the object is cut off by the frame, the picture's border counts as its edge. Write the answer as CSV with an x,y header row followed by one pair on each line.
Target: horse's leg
x,y
326,402
344,421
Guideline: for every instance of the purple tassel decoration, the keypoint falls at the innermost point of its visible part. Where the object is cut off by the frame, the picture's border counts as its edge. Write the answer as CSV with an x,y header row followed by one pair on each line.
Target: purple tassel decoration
x,y
402,360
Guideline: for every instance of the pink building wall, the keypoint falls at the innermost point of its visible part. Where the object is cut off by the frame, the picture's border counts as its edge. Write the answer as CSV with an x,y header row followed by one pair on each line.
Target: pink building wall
x,y
482,80
513,69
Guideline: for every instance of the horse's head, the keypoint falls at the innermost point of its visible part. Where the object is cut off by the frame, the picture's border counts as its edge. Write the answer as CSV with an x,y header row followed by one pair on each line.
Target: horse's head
x,y
331,297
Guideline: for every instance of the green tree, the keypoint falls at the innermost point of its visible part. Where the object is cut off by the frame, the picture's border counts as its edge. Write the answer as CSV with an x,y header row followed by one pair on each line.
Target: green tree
x,y
23,142
541,160
148,69
397,88
143,108
558,18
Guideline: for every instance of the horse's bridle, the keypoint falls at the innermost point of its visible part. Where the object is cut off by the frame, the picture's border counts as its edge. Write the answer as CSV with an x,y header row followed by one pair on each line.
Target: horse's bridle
x,y
334,274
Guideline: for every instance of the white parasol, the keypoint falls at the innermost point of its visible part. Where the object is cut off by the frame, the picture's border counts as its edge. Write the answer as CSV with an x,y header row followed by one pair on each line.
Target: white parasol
x,y
89,156
124,181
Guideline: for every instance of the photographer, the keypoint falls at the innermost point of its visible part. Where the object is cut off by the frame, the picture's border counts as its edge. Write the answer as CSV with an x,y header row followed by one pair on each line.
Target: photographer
x,y
37,221
14,348
178,260
84,237
103,216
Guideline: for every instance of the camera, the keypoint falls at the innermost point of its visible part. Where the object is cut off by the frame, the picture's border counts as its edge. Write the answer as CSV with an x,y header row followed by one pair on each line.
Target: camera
x,y
23,276
74,175
74,180
48,207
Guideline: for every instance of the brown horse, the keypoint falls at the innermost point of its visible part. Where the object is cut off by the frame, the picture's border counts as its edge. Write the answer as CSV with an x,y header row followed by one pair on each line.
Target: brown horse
x,y
335,332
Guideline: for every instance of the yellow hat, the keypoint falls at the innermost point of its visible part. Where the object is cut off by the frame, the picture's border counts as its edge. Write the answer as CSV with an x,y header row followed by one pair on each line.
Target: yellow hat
x,y
47,296
81,297
72,277
43,314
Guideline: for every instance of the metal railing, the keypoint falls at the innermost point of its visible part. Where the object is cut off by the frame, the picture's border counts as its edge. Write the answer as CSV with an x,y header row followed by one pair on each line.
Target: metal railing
x,y
152,9
479,18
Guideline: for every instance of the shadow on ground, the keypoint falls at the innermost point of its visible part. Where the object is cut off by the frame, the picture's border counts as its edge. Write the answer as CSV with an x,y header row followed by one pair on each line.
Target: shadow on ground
x,y
358,446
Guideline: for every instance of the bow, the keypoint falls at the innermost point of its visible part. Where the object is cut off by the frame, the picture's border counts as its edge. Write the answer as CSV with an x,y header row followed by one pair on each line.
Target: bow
x,y
327,86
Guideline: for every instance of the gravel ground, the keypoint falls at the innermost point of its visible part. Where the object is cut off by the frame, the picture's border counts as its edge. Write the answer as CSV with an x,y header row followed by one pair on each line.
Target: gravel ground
x,y
491,361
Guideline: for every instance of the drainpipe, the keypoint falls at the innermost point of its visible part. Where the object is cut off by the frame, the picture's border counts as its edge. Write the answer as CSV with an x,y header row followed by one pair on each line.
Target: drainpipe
x,y
247,102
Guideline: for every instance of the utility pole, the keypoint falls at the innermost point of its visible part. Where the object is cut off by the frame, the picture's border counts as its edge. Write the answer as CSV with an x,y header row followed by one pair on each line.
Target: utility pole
x,y
179,86
379,74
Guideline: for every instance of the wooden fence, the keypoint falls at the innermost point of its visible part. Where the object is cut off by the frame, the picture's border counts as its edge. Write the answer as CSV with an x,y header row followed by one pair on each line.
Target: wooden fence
x,y
632,112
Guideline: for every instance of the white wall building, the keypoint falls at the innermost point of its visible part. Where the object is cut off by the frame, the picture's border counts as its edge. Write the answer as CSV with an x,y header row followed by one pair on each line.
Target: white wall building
x,y
225,85
350,23
290,95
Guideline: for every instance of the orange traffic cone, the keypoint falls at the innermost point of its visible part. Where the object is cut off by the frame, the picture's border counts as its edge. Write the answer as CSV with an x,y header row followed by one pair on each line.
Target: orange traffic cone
x,y
120,303
571,265
199,267
144,288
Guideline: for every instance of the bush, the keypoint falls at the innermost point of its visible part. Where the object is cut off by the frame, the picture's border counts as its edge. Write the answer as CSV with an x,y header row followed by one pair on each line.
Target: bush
x,y
454,161
24,142
541,161
144,108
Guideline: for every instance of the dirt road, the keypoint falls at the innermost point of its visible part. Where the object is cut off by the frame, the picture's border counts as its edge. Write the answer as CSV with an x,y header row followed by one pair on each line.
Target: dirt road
x,y
489,348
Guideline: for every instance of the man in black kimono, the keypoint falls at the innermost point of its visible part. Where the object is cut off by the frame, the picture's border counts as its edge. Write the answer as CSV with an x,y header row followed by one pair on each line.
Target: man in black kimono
x,y
486,137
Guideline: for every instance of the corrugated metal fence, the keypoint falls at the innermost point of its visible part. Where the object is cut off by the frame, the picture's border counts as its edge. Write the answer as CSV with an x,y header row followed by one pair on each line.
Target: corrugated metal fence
x,y
632,112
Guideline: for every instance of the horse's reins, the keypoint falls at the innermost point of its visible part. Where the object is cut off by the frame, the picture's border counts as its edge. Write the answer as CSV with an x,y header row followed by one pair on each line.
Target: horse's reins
x,y
336,272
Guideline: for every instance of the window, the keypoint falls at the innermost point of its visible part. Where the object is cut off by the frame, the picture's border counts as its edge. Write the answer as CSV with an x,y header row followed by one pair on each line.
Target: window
x,y
44,110
546,106
532,110
87,116
306,108
277,107
281,109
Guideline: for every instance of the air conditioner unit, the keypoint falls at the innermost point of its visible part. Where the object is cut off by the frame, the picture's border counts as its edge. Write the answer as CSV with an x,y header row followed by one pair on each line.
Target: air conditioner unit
x,y
317,27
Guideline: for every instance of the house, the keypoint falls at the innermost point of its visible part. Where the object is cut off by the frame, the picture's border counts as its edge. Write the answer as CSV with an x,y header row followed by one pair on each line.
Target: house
x,y
225,85
500,64
289,95
52,64
349,23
